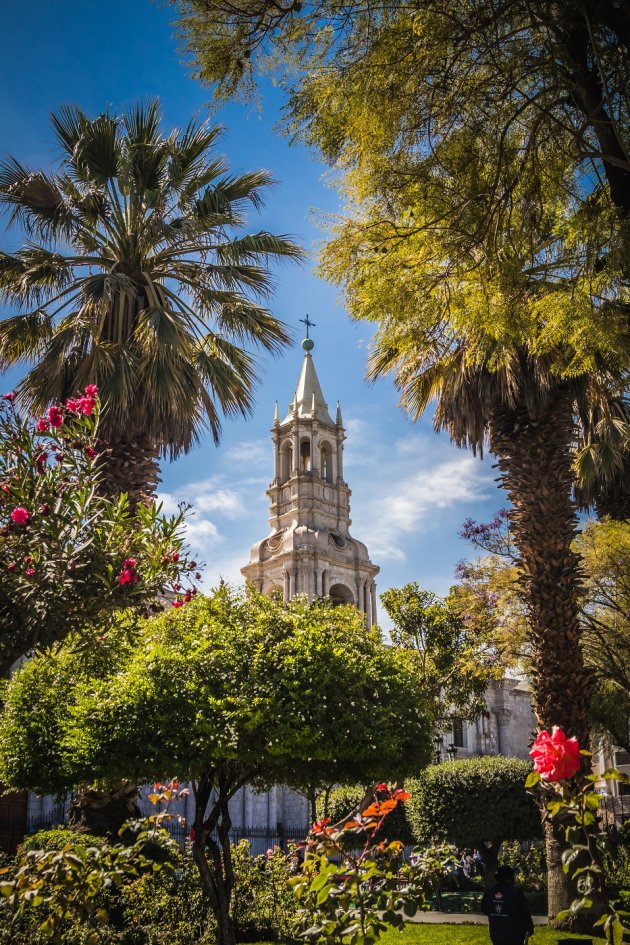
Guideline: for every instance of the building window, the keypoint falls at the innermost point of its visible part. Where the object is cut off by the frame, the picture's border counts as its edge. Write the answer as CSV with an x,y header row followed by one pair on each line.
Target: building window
x,y
458,733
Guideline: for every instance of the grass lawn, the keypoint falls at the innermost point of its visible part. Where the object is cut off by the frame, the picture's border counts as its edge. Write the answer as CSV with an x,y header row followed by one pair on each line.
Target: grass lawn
x,y
419,934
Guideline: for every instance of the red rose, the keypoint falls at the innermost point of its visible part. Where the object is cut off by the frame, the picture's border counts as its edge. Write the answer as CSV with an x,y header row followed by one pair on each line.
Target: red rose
x,y
20,515
556,757
55,417
42,425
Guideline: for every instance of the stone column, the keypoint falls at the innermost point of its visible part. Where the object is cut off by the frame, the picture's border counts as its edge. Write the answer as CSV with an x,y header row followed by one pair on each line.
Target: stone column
x,y
286,595
324,583
272,809
368,608
315,583
248,819
296,442
291,583
373,607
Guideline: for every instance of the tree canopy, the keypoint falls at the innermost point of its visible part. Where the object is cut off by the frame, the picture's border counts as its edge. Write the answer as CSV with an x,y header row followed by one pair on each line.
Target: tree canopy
x,y
230,690
453,661
138,273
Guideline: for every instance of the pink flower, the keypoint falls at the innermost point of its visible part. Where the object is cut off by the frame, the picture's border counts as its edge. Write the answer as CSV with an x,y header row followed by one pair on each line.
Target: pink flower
x,y
42,425
129,563
20,515
90,452
55,417
10,396
72,404
127,576
556,757
177,603
30,572
86,405
11,567
91,390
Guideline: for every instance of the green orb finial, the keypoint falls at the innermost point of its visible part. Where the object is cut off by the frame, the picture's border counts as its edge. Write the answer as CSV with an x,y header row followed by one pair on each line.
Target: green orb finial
x,y
308,344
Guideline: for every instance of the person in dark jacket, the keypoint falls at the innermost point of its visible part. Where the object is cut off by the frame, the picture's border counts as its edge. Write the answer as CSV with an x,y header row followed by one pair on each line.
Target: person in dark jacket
x,y
507,910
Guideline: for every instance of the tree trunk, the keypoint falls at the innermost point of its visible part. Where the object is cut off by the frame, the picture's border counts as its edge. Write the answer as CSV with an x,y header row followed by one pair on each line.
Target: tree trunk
x,y
490,857
534,457
131,466
560,892
102,812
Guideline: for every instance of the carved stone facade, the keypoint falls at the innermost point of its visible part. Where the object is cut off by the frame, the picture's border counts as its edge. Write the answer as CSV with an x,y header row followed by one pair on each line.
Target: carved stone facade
x,y
310,550
506,727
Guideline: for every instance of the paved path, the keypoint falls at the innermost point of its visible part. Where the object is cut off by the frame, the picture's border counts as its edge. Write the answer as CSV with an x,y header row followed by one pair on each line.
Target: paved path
x,y
462,918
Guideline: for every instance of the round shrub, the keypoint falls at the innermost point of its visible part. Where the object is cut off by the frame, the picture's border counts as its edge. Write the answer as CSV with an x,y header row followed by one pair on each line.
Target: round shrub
x,y
56,839
474,803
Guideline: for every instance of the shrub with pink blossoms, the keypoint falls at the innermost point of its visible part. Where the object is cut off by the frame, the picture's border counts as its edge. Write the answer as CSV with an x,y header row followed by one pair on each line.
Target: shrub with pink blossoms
x,y
70,558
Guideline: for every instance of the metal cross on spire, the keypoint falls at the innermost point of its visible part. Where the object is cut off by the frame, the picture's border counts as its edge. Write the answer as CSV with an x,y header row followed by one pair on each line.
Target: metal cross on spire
x,y
309,324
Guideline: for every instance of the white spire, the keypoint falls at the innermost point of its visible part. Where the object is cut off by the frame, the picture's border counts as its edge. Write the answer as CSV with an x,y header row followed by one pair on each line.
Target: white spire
x,y
308,397
276,414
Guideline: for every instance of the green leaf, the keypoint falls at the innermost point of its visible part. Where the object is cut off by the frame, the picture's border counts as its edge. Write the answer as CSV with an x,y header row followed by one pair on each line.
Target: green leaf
x,y
532,779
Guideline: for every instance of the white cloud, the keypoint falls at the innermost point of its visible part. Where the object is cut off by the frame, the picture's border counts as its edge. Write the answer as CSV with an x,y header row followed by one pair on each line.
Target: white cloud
x,y
254,452
386,517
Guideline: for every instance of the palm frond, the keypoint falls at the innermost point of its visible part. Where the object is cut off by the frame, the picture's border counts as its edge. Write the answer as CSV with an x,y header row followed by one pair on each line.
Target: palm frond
x,y
23,337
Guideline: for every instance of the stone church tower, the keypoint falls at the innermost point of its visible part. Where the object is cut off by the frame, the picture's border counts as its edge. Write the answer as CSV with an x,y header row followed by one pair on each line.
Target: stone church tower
x,y
310,549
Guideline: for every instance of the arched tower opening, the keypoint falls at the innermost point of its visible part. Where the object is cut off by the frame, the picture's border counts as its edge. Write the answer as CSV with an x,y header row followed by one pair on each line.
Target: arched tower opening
x,y
326,463
340,594
286,460
306,463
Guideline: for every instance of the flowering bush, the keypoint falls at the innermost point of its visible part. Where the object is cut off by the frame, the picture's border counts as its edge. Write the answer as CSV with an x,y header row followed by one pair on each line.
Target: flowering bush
x,y
70,558
568,795
350,895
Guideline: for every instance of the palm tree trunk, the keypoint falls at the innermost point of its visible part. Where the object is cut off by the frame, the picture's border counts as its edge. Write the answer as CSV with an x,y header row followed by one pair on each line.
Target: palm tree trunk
x,y
534,457
131,466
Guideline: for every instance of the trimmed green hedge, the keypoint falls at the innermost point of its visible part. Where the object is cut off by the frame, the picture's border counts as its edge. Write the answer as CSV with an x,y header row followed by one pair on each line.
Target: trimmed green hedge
x,y
466,802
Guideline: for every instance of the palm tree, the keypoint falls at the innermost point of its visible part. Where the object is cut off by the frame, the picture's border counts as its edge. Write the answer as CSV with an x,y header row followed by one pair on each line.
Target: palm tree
x,y
529,415
135,275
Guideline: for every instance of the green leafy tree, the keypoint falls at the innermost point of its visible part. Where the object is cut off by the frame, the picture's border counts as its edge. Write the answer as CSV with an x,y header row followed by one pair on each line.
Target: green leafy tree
x,y
230,690
135,275
486,235
475,803
488,597
453,663
71,559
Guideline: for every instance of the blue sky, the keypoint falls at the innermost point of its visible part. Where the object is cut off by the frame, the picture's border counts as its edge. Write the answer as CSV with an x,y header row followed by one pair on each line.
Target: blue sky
x,y
410,489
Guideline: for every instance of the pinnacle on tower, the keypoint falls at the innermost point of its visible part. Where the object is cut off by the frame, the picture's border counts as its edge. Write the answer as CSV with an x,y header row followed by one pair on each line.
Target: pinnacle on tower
x,y
339,420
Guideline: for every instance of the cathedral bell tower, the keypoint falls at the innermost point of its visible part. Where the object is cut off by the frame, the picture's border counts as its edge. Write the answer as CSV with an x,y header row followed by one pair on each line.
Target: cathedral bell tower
x,y
310,549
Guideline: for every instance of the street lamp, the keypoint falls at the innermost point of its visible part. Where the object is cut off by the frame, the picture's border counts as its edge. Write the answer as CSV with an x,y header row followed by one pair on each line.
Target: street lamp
x,y
451,751
439,744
